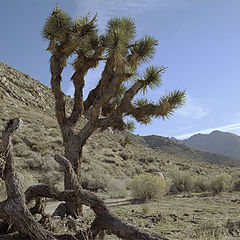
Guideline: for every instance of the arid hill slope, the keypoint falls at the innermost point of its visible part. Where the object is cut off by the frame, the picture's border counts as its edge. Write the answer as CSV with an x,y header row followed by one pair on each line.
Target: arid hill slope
x,y
216,142
104,157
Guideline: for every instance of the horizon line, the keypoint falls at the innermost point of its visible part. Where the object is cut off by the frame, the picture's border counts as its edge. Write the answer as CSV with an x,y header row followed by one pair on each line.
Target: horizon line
x,y
225,128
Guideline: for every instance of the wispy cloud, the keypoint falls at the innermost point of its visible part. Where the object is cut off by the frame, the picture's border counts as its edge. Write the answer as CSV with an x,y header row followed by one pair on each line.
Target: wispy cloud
x,y
107,9
193,109
226,128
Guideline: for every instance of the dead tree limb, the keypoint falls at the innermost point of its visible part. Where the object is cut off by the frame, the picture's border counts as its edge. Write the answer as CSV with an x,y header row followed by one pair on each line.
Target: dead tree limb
x,y
14,209
104,219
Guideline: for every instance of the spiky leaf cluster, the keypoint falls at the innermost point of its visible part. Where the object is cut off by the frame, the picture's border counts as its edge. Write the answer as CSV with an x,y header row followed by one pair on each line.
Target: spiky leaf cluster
x,y
142,51
129,126
120,32
152,77
171,102
140,102
58,26
83,26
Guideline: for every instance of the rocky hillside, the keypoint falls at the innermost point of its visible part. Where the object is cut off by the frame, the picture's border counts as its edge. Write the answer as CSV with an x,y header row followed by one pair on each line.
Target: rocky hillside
x,y
216,142
175,147
104,156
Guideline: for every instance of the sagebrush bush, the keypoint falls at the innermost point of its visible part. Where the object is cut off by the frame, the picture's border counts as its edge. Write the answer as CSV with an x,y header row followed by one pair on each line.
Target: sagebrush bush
x,y
221,183
181,180
147,186
117,188
26,180
53,178
94,181
200,183
127,140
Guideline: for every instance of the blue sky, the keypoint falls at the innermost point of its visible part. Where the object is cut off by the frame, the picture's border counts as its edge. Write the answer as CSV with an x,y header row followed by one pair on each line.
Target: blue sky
x,y
199,41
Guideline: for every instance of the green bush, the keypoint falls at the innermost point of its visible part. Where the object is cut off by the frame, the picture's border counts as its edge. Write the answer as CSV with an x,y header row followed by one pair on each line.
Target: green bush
x,y
147,186
221,183
181,180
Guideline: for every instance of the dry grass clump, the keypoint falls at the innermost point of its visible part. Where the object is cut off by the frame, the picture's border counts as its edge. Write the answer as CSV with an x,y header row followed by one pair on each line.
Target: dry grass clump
x,y
147,186
53,178
186,181
117,188
94,181
221,183
126,140
26,179
181,180
41,163
201,183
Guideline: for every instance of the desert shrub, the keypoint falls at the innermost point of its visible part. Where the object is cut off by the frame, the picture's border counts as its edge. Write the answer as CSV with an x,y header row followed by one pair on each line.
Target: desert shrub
x,y
49,163
236,185
124,155
147,186
200,183
41,163
221,183
168,183
53,178
181,180
34,163
117,188
94,181
26,180
125,141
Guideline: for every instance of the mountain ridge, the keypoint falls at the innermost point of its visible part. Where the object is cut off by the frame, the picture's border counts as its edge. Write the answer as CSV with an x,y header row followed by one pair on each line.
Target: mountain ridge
x,y
219,142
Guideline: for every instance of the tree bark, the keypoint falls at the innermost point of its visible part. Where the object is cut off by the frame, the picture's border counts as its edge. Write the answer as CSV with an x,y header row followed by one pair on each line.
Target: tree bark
x,y
14,209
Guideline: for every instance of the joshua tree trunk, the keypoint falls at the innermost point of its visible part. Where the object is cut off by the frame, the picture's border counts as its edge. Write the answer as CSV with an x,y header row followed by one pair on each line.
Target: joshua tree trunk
x,y
74,154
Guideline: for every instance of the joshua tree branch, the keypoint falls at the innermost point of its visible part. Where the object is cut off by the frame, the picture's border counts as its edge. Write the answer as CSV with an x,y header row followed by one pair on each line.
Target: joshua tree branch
x,y
82,66
14,208
57,63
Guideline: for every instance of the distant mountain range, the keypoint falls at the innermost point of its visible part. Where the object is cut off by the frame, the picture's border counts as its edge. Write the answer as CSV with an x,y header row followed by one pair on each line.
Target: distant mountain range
x,y
180,149
216,142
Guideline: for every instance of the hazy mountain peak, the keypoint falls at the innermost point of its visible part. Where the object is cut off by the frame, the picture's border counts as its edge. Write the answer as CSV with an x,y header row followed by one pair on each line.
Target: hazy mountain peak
x,y
217,142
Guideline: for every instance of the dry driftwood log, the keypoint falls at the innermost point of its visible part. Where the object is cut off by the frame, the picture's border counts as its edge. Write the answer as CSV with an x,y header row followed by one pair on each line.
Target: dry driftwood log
x,y
14,209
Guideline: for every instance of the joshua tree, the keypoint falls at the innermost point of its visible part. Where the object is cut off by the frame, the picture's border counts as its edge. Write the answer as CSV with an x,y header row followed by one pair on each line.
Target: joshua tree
x,y
110,102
